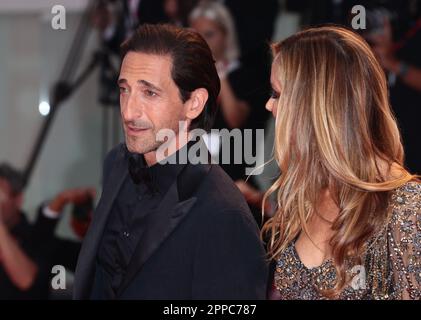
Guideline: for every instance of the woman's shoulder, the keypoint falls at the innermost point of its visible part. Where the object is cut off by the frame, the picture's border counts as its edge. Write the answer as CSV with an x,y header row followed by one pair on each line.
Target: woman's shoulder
x,y
405,206
407,197
404,238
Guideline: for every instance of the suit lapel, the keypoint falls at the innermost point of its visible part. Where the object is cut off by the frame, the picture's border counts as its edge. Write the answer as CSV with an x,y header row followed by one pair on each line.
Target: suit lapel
x,y
170,213
86,261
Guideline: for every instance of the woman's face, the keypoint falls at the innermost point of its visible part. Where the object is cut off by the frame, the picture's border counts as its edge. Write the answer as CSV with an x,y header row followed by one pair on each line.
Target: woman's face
x,y
272,103
213,34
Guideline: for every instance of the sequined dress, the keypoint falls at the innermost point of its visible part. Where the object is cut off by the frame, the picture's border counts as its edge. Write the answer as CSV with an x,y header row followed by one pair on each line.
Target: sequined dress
x,y
391,267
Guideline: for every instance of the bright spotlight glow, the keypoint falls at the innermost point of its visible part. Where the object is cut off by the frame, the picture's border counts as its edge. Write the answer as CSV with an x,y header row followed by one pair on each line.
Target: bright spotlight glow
x,y
44,108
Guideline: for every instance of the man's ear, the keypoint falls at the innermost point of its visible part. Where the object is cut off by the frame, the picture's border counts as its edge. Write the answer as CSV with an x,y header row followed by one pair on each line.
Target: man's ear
x,y
196,103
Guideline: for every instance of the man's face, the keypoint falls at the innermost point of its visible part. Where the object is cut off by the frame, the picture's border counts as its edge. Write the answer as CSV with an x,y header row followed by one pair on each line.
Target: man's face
x,y
9,203
149,100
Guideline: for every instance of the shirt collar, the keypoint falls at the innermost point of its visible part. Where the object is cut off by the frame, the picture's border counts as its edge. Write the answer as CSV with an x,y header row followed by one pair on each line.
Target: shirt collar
x,y
160,176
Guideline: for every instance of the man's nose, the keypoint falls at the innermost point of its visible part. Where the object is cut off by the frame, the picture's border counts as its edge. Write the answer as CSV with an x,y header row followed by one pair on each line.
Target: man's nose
x,y
132,109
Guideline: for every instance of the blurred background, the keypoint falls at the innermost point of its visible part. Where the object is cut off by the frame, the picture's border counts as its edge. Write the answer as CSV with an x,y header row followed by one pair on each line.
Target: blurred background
x,y
59,109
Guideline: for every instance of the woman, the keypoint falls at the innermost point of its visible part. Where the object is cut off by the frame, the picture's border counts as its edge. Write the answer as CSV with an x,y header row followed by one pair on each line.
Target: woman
x,y
243,91
214,22
348,219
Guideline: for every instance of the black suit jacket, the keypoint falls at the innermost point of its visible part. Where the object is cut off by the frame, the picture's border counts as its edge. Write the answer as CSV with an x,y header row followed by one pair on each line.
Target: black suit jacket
x,y
201,243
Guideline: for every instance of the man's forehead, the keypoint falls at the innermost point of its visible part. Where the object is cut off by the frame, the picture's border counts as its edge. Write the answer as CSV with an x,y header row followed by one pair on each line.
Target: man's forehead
x,y
138,63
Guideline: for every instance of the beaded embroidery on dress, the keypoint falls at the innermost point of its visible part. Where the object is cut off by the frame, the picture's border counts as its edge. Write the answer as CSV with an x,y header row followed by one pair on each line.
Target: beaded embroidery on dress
x,y
392,260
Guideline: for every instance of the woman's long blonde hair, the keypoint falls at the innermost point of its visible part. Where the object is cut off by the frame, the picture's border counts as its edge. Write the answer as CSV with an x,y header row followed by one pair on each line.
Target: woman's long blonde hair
x,y
334,131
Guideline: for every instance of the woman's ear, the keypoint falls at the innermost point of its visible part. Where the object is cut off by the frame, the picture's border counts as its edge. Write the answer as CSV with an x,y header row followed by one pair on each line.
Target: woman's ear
x,y
196,103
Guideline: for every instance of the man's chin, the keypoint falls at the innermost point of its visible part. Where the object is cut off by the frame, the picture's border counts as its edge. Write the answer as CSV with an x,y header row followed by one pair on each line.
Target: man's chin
x,y
135,149
139,147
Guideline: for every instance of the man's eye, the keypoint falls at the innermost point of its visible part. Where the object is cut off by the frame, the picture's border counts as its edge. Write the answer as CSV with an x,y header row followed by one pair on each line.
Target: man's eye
x,y
274,94
123,90
150,93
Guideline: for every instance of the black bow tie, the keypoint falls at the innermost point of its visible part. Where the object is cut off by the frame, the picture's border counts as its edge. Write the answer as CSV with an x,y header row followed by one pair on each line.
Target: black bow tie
x,y
140,172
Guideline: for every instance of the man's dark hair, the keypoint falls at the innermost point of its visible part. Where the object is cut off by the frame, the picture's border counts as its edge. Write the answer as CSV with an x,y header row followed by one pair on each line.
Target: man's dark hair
x,y
13,177
193,66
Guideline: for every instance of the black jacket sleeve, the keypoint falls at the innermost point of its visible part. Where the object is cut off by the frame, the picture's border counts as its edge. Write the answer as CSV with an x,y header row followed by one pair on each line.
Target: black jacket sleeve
x,y
230,260
109,160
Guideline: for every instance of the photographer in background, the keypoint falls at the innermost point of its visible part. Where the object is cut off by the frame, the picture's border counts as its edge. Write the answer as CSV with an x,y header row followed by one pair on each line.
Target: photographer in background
x,y
28,251
20,265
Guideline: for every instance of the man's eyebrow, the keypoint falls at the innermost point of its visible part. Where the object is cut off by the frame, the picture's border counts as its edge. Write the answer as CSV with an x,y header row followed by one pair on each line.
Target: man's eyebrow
x,y
149,85
142,82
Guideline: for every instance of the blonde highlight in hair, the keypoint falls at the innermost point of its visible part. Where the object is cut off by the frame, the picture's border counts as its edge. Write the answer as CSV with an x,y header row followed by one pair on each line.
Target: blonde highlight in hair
x,y
334,131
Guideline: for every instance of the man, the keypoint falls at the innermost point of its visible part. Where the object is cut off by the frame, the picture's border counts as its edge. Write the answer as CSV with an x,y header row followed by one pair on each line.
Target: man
x,y
28,251
168,231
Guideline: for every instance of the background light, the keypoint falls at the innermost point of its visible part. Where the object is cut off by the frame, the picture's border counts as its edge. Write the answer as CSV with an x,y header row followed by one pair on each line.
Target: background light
x,y
44,108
